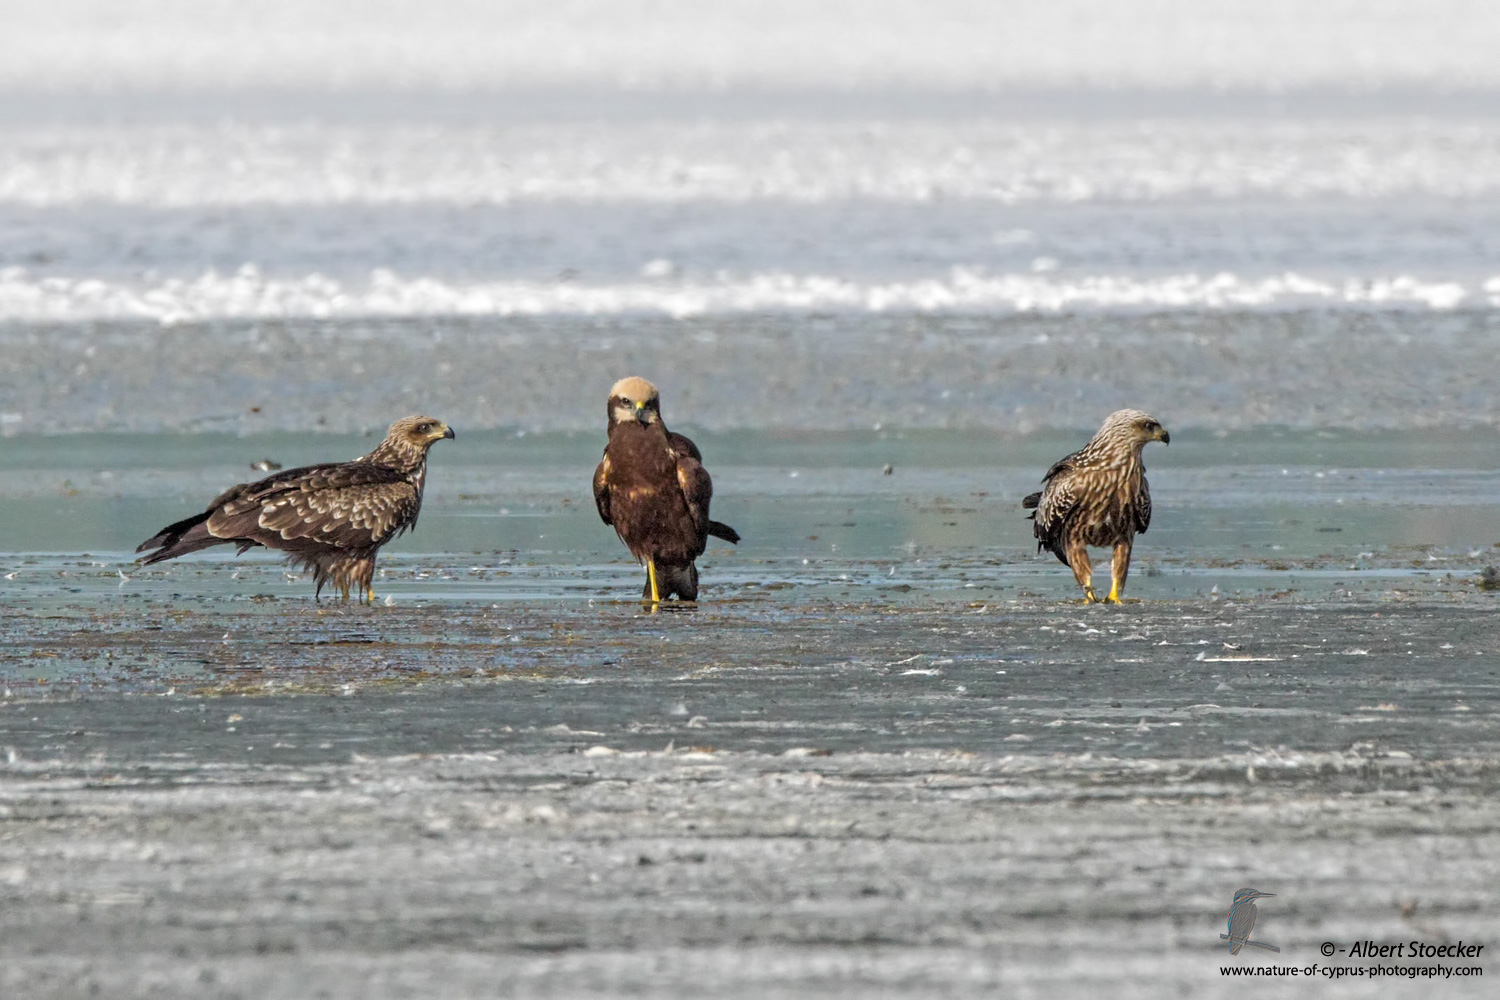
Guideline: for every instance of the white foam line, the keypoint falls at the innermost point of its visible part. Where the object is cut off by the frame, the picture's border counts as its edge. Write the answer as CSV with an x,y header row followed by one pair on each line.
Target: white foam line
x,y
249,294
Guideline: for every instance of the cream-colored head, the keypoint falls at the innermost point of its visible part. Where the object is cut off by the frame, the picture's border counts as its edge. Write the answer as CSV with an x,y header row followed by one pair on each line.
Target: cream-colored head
x,y
636,399
1132,427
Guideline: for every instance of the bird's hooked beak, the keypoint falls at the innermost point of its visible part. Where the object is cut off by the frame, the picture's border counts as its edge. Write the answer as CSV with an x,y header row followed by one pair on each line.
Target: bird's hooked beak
x,y
642,414
446,435
1163,436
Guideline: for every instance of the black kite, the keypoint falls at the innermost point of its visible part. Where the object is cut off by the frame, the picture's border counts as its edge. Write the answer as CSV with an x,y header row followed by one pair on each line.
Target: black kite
x,y
331,518
1098,496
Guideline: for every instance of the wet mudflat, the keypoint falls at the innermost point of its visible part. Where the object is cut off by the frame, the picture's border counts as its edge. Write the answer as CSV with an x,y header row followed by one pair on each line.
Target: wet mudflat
x,y
761,672
1212,370
697,873
817,783
890,755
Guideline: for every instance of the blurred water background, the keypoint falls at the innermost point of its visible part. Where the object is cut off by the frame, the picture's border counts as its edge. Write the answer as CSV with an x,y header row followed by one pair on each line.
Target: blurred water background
x,y
990,223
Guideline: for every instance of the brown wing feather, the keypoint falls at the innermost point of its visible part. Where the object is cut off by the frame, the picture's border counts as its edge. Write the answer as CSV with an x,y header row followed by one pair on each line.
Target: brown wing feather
x,y
349,505
601,490
248,495
1064,464
192,534
697,489
698,494
356,516
1054,506
308,478
1143,507
352,505
681,444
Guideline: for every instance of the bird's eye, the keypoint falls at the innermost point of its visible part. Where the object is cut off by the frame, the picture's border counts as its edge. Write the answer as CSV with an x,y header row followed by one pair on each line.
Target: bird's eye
x,y
424,428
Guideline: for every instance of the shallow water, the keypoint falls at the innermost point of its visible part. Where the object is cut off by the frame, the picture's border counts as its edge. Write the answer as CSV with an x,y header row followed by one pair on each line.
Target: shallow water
x,y
508,524
1266,495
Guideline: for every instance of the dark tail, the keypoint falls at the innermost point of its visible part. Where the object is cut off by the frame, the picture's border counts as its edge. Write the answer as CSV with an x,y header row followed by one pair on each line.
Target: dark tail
x,y
187,535
681,581
1030,502
721,530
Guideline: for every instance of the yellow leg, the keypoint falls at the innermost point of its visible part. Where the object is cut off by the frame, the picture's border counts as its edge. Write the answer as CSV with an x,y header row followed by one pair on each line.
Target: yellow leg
x,y
651,575
370,595
1114,594
1083,571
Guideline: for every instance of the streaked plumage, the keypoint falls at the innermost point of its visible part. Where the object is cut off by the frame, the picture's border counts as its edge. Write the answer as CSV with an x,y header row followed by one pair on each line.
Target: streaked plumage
x,y
331,518
1098,496
652,488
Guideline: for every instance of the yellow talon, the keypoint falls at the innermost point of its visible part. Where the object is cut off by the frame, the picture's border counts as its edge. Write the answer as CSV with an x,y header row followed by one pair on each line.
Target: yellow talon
x,y
1114,596
370,596
1088,596
651,575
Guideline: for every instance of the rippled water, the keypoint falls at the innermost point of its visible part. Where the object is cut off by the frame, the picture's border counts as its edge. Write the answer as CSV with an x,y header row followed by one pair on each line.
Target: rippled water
x,y
747,213
1238,159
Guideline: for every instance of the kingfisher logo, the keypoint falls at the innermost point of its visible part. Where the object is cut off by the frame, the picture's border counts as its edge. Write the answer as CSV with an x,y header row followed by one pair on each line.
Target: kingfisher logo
x,y
1242,917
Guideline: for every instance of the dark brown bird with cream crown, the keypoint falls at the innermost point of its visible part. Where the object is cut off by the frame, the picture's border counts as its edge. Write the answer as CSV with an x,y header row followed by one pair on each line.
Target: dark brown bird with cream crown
x,y
331,518
652,488
1098,496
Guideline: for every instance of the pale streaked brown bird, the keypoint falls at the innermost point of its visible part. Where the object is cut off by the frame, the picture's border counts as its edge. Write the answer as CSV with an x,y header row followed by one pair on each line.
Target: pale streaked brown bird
x,y
1098,496
652,488
331,518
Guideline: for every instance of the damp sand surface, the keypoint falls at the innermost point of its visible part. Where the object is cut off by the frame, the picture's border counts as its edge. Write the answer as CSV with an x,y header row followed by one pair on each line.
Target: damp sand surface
x,y
888,755
1214,369
775,793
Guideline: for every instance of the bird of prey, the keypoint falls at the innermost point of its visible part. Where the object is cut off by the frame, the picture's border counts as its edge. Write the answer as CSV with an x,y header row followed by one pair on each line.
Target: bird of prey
x,y
331,518
1242,914
652,487
1098,496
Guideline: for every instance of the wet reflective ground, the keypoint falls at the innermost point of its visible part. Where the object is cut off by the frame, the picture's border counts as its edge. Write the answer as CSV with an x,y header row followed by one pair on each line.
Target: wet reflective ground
x,y
888,755
509,542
